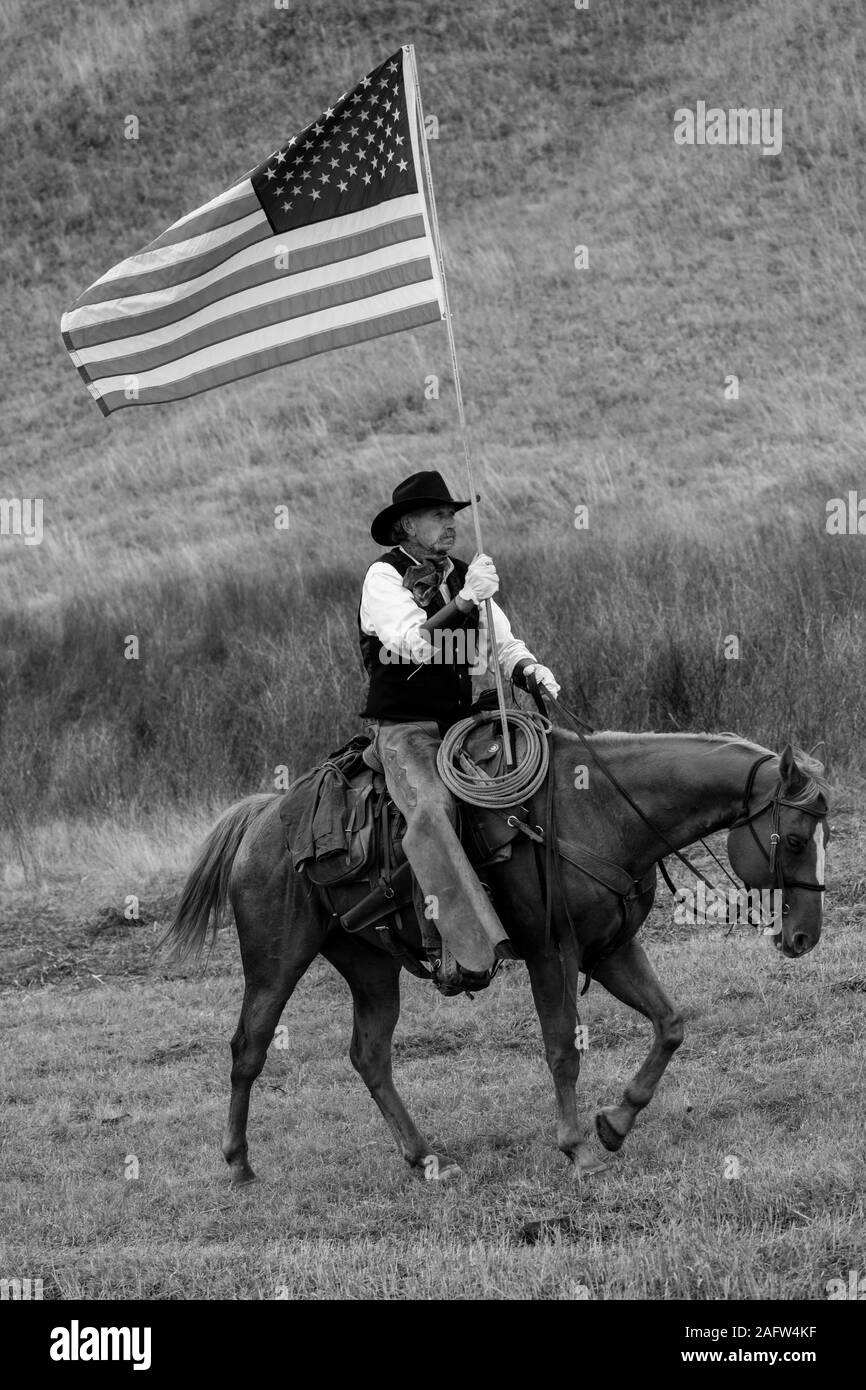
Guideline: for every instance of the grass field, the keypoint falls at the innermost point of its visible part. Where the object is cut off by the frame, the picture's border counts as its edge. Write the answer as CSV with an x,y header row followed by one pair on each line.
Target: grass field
x,y
602,387
108,1058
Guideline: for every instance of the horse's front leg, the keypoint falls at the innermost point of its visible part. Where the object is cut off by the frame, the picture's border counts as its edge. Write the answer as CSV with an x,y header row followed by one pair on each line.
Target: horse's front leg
x,y
554,980
629,976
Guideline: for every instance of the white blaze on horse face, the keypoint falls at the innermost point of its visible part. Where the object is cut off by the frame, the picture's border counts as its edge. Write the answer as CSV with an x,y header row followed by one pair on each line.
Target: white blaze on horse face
x,y
818,837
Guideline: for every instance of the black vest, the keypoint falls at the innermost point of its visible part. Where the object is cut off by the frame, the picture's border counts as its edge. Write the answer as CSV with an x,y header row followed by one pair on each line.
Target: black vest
x,y
440,690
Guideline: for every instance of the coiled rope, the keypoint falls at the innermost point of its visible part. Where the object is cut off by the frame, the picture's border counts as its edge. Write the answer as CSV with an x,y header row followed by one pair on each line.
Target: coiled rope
x,y
472,784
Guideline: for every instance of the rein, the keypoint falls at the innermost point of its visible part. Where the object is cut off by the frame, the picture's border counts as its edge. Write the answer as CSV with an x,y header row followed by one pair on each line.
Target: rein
x,y
773,858
745,816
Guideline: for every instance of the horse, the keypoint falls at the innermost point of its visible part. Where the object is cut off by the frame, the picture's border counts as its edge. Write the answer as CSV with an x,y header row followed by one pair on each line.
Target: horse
x,y
682,786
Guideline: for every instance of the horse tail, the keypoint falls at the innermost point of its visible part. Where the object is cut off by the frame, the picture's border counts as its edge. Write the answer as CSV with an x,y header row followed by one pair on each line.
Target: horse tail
x,y
205,894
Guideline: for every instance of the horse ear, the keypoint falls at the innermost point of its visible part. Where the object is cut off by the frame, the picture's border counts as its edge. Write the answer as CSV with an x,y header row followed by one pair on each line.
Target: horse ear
x,y
824,762
793,780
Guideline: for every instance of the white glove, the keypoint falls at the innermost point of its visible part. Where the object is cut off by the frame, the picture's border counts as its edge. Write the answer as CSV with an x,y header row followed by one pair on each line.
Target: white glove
x,y
543,676
481,580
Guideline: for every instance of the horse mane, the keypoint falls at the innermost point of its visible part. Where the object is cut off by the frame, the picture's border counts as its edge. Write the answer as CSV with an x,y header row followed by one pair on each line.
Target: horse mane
x,y
817,784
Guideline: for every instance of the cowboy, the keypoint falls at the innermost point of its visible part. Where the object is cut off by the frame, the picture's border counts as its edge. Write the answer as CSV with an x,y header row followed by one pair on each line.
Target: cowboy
x,y
423,633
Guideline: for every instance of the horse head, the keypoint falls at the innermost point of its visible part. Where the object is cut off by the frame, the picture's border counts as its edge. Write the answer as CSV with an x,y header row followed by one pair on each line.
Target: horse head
x,y
778,842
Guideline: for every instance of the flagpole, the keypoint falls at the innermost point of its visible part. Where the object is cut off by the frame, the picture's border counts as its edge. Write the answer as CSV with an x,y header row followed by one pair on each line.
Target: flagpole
x,y
488,605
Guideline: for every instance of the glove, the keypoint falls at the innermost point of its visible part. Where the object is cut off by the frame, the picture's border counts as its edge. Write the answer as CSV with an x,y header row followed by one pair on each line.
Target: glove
x,y
543,676
481,580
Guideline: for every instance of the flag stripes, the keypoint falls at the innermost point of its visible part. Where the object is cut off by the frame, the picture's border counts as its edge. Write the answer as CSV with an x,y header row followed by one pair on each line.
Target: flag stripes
x,y
245,283
113,391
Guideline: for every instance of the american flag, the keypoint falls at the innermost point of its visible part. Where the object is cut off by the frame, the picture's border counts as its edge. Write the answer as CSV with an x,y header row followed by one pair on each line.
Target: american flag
x,y
327,242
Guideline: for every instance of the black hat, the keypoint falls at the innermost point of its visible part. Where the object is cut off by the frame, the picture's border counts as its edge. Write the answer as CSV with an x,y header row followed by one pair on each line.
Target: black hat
x,y
413,494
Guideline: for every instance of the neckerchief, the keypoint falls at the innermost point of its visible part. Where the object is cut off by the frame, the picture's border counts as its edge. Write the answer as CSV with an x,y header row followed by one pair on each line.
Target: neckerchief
x,y
425,579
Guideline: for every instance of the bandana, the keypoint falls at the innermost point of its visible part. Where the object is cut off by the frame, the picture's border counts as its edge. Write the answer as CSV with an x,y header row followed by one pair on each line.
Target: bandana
x,y
424,580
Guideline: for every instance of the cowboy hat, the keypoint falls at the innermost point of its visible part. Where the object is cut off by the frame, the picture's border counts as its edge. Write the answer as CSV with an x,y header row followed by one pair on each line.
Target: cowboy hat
x,y
413,494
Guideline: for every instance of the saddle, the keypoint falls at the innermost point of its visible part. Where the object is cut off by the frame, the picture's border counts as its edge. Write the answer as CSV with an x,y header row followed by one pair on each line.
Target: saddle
x,y
342,829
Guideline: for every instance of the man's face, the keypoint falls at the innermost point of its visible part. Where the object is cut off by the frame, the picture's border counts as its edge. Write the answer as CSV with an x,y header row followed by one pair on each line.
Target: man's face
x,y
432,529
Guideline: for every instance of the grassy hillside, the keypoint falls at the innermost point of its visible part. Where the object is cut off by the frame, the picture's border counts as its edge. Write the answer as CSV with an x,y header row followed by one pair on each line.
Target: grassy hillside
x,y
602,386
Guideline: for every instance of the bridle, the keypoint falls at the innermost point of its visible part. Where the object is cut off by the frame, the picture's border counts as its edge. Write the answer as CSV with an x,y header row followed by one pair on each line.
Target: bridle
x,y
772,856
744,816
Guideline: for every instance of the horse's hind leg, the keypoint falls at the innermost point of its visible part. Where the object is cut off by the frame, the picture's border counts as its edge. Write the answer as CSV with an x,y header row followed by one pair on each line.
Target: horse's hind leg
x,y
374,979
554,989
260,1013
271,978
629,976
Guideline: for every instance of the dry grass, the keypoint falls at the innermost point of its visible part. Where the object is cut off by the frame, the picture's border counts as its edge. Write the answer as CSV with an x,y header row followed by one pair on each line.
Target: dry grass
x,y
601,387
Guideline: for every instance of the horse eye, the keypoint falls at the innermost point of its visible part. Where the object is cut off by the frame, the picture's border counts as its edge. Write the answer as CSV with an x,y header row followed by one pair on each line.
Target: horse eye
x,y
795,843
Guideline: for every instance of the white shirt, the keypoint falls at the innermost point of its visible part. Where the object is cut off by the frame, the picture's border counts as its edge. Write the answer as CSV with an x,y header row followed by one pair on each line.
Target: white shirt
x,y
389,612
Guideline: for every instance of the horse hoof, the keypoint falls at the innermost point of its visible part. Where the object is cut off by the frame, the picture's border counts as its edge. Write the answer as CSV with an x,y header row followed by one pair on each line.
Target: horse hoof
x,y
586,1163
610,1137
436,1170
242,1177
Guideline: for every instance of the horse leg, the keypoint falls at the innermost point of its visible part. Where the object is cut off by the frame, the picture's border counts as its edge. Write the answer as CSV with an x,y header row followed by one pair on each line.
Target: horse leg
x,y
628,976
374,979
271,976
554,980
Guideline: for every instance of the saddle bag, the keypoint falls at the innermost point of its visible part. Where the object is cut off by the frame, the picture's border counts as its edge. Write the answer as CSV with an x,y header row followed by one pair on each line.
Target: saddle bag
x,y
335,819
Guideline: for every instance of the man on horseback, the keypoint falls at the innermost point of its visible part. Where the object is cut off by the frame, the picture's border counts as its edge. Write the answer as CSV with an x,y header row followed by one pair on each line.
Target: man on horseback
x,y
423,633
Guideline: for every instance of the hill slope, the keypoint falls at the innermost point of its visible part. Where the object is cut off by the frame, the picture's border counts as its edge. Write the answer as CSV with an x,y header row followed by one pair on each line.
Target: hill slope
x,y
602,386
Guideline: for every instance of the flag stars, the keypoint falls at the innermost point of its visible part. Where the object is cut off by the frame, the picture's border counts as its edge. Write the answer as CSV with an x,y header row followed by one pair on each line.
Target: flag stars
x,y
353,133
343,146
342,186
334,163
379,121
287,207
367,178
353,169
392,67
402,166
272,174
315,193
324,178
